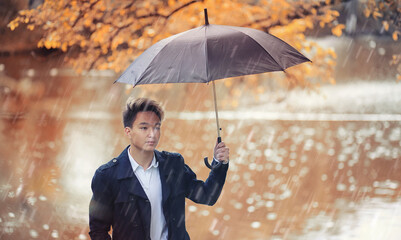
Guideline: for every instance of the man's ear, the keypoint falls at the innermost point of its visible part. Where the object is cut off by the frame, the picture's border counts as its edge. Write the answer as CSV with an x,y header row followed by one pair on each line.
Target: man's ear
x,y
127,131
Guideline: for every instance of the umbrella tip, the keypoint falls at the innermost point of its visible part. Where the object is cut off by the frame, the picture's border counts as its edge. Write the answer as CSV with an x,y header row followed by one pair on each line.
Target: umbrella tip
x,y
206,18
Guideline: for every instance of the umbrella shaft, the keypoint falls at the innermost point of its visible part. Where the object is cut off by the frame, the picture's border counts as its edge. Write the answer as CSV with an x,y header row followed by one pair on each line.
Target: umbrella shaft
x,y
215,109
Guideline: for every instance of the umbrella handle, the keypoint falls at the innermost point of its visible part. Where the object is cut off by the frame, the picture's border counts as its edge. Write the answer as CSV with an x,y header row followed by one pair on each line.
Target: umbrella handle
x,y
207,161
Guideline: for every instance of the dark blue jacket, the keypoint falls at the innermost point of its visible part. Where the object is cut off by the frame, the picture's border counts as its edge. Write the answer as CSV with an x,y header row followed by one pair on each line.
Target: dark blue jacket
x,y
120,202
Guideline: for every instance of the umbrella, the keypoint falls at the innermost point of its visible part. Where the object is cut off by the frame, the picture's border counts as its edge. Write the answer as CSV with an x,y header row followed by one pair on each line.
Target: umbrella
x,y
209,53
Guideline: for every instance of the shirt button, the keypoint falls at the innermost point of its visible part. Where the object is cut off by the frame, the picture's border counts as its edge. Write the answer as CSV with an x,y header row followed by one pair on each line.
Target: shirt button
x,y
147,200
114,160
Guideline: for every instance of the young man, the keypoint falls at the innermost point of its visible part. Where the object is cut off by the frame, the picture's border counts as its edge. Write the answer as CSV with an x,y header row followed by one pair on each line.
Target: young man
x,y
141,193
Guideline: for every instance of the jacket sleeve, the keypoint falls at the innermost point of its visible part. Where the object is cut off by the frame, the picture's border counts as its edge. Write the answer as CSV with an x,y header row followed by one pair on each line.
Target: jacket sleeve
x,y
205,192
100,208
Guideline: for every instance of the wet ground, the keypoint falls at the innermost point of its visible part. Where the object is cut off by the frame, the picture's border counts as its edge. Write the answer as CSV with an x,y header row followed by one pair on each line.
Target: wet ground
x,y
294,173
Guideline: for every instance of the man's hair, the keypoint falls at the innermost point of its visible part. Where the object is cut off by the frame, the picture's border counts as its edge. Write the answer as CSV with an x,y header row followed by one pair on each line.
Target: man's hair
x,y
134,106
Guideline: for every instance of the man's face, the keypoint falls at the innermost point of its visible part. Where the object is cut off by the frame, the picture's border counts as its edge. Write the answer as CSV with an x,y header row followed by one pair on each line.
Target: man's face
x,y
145,132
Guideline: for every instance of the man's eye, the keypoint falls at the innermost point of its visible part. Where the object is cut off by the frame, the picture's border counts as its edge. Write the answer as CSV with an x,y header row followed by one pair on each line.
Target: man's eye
x,y
143,128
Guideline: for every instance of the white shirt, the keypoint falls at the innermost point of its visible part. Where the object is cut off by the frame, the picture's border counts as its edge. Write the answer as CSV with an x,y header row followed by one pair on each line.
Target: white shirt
x,y
151,184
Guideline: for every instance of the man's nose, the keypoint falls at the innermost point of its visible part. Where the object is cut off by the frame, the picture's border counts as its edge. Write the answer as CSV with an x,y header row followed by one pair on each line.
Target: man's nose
x,y
151,132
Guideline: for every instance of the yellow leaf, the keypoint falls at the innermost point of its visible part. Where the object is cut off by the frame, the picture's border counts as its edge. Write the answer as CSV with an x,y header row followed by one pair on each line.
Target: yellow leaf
x,y
377,14
385,25
366,12
332,53
309,23
338,30
335,13
64,47
40,43
395,35
82,43
171,3
31,27
48,44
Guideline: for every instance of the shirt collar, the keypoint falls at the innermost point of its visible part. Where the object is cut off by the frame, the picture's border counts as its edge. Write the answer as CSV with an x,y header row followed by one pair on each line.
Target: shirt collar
x,y
135,165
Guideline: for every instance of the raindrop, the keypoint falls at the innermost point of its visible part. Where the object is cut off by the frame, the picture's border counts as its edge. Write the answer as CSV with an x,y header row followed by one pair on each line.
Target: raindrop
x,y
382,51
251,146
54,234
81,236
53,72
303,171
251,183
324,177
219,210
286,194
255,224
271,216
192,208
238,205
341,158
235,177
11,215
341,187
271,177
42,198
293,163
268,153
205,213
269,204
249,200
46,227
216,232
251,209
179,146
372,44
252,166
30,72
33,233
226,217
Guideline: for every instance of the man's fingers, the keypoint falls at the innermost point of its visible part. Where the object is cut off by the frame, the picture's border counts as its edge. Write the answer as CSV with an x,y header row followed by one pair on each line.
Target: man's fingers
x,y
220,145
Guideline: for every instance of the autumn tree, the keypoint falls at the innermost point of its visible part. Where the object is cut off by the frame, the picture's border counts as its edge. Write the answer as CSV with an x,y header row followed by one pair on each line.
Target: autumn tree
x,y
106,34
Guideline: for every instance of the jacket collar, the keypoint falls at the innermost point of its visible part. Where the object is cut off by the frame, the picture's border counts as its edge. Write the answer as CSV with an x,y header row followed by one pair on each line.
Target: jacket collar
x,y
124,168
124,171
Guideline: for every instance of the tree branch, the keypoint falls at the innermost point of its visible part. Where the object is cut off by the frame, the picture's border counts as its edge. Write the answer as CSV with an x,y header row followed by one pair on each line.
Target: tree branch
x,y
301,12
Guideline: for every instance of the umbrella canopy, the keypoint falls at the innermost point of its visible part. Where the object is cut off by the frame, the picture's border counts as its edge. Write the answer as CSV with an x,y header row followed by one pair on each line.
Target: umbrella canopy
x,y
211,52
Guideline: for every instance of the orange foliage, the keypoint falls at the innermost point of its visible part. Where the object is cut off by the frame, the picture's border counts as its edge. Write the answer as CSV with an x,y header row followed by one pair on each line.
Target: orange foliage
x,y
110,34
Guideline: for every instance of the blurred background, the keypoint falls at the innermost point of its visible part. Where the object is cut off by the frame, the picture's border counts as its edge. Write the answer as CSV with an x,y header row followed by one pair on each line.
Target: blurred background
x,y
315,152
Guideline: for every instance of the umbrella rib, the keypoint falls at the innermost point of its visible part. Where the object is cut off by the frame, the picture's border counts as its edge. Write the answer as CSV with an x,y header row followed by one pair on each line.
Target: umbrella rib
x,y
206,56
